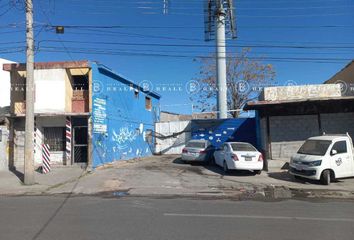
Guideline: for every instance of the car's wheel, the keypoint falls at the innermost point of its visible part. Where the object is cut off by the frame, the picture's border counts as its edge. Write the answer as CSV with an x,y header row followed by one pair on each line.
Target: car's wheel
x,y
224,167
326,177
258,172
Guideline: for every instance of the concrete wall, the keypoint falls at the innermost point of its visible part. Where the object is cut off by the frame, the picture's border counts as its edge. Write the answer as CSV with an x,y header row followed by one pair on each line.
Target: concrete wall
x,y
50,90
19,143
300,92
19,140
53,90
121,123
338,123
171,137
4,84
4,148
173,117
56,157
289,132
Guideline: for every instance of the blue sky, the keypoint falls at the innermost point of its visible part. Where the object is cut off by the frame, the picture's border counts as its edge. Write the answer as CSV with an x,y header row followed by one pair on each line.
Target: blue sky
x,y
160,48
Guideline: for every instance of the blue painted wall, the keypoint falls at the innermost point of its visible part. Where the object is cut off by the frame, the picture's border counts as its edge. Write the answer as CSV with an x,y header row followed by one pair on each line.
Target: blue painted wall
x,y
120,119
218,131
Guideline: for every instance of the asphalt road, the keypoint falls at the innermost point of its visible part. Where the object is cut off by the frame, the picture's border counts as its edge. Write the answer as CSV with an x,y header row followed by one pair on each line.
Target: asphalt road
x,y
145,218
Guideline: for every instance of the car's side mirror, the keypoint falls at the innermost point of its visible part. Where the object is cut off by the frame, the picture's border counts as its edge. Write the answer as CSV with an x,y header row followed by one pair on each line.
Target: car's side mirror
x,y
333,152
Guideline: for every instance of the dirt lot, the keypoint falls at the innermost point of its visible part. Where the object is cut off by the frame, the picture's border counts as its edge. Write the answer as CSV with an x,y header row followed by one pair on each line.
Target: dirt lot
x,y
168,175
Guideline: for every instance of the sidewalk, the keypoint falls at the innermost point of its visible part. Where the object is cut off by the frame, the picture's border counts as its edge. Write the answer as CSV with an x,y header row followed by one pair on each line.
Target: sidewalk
x,y
166,176
11,181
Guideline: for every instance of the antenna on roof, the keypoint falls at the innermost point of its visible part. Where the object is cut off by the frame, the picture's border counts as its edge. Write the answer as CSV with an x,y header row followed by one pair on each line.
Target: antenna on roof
x,y
219,23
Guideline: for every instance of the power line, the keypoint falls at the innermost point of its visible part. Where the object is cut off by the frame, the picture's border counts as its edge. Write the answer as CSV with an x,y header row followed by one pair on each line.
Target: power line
x,y
296,59
196,27
198,45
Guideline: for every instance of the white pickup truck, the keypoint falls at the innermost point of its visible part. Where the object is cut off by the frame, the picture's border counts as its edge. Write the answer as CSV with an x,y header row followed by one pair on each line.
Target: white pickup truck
x,y
324,158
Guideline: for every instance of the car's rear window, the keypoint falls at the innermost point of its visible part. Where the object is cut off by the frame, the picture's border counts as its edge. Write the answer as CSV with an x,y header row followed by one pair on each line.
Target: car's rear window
x,y
196,144
243,147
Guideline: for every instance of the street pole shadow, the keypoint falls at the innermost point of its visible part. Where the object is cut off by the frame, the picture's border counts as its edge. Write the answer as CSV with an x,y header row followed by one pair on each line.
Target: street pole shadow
x,y
17,173
56,212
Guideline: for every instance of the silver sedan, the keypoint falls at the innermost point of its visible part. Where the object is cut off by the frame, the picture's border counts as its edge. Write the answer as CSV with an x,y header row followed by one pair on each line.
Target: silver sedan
x,y
197,151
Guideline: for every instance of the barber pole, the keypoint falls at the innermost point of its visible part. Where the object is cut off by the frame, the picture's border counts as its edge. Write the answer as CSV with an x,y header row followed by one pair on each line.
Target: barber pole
x,y
68,140
45,158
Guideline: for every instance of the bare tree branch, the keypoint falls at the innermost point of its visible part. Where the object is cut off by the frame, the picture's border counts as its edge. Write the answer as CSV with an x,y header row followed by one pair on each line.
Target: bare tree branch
x,y
242,74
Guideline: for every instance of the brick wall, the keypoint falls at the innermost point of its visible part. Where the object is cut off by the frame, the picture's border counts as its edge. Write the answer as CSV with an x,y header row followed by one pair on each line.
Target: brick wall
x,y
338,123
289,132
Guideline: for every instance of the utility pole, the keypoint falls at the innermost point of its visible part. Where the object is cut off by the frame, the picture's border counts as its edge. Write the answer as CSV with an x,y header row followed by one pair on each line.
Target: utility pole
x,y
219,22
29,127
221,60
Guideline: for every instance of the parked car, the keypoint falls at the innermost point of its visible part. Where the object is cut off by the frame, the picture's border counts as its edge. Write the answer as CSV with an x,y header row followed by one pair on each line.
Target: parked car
x,y
197,151
239,156
324,158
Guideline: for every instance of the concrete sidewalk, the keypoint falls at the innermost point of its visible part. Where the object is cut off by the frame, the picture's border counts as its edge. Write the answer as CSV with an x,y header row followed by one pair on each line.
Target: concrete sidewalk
x,y
11,181
168,176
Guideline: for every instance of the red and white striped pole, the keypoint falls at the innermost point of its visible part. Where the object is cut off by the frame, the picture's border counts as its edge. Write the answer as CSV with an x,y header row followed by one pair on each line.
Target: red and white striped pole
x,y
68,140
45,158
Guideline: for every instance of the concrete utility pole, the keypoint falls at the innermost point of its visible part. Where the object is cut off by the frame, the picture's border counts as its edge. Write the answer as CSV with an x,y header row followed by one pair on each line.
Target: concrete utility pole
x,y
221,60
29,128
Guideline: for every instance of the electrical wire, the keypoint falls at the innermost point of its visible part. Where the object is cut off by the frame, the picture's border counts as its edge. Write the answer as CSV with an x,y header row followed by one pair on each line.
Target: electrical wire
x,y
200,45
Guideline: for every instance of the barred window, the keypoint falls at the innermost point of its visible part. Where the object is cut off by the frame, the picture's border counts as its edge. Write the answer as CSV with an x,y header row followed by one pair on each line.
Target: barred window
x,y
55,138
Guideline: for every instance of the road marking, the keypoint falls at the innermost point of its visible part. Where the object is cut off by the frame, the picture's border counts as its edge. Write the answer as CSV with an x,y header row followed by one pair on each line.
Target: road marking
x,y
259,217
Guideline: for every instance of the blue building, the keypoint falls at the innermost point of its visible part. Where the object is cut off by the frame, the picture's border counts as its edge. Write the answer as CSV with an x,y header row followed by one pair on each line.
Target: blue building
x,y
84,113
123,117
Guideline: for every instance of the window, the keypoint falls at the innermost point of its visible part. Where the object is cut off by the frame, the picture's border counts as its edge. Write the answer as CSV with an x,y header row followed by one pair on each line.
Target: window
x,y
243,147
340,147
136,93
315,147
80,82
148,104
225,147
196,144
55,138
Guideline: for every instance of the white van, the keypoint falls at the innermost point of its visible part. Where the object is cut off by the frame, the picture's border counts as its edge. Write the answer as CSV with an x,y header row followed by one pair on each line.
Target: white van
x,y
324,158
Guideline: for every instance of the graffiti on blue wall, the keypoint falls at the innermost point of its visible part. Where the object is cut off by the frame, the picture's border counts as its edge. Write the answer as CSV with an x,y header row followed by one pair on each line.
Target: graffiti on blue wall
x,y
120,118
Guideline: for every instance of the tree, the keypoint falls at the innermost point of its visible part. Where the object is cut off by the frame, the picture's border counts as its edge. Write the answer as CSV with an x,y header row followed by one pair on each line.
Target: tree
x,y
245,76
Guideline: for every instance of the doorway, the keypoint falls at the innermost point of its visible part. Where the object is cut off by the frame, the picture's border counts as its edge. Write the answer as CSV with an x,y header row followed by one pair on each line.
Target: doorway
x,y
80,140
